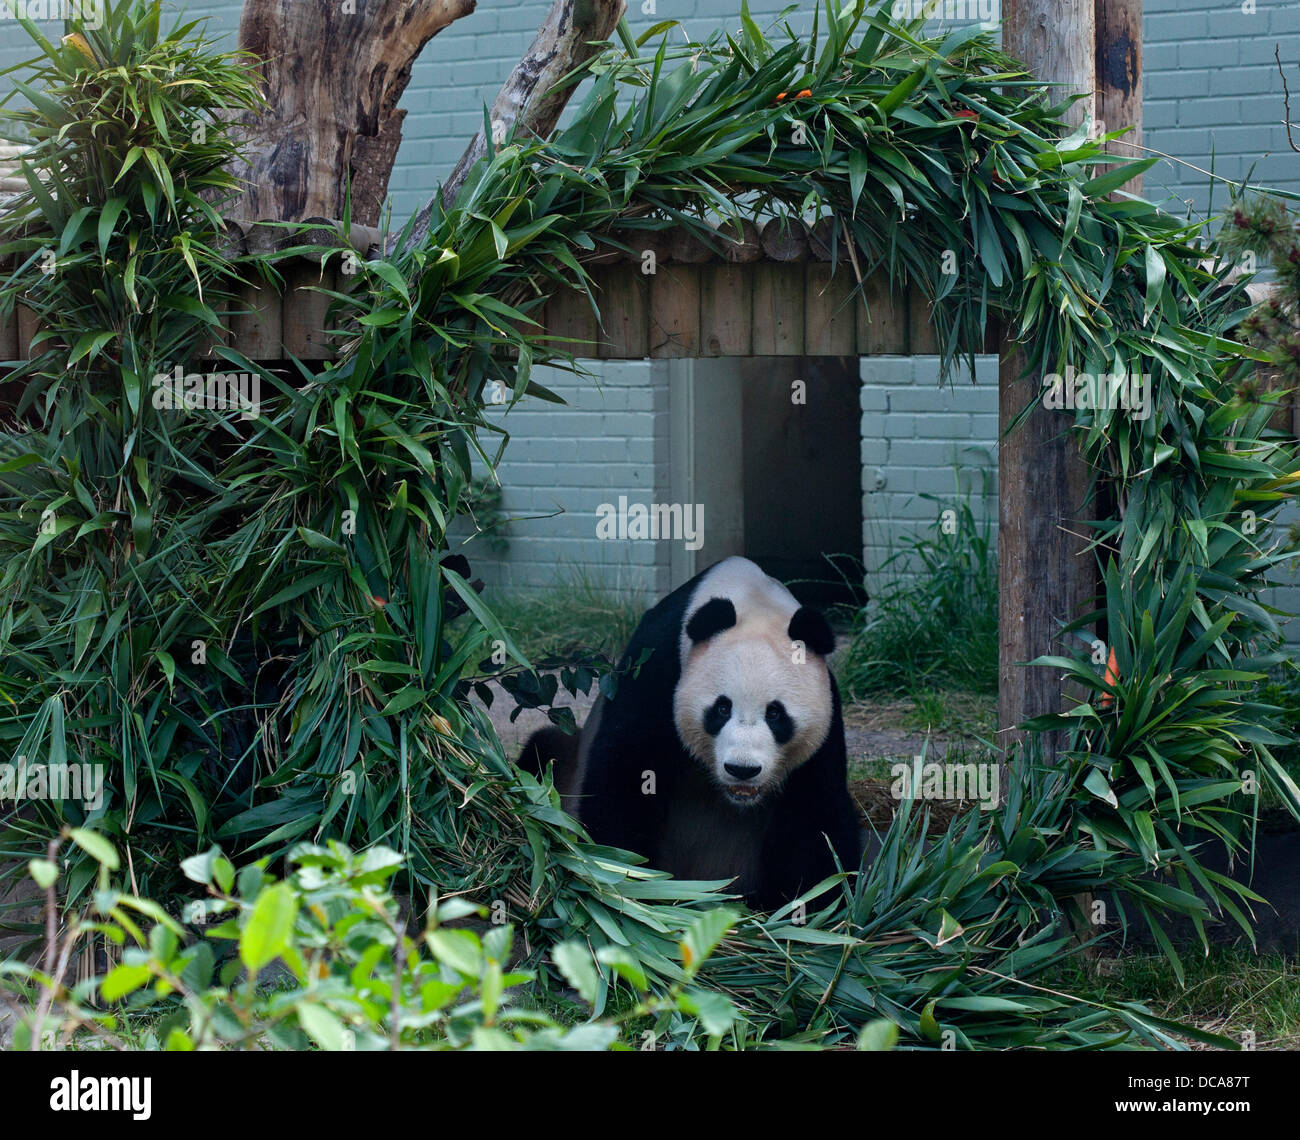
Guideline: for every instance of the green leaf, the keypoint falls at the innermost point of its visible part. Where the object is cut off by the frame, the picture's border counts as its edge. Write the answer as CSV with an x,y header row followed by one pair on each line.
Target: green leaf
x,y
575,962
459,949
321,1025
704,934
44,871
269,927
878,1036
123,980
96,846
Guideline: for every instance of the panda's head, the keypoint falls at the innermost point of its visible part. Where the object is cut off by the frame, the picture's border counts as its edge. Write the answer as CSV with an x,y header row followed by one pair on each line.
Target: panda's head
x,y
754,699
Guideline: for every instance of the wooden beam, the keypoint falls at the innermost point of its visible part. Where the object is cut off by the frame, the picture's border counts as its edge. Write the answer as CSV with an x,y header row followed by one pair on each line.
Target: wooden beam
x,y
726,311
675,312
1045,575
778,309
1119,76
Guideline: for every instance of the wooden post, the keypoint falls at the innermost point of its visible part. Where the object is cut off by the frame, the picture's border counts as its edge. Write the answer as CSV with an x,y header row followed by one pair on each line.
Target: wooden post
x,y
1045,577
1119,76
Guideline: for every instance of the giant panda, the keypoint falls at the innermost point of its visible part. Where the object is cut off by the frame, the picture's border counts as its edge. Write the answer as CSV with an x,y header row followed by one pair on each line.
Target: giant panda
x,y
722,756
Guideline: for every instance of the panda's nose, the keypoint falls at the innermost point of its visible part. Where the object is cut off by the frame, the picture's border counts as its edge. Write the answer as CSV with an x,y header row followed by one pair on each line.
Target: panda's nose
x,y
743,771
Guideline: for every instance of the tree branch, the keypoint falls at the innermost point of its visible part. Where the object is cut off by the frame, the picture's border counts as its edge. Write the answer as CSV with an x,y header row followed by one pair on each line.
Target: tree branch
x,y
528,100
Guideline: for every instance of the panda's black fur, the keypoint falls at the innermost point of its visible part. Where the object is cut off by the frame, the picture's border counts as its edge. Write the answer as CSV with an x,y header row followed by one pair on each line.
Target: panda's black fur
x,y
774,849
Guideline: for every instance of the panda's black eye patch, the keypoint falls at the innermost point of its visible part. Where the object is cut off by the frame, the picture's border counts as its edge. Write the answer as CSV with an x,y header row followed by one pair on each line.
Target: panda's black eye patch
x,y
778,720
716,715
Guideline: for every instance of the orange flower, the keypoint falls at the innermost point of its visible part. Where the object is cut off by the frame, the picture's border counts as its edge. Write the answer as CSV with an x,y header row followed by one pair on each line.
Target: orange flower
x,y
779,97
804,93
1112,678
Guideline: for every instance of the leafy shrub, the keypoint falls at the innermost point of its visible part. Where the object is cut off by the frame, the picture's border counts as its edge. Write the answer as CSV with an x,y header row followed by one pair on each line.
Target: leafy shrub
x,y
117,533
323,958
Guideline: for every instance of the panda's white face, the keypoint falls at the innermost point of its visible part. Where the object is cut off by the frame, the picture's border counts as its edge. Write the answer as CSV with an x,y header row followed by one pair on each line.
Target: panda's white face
x,y
751,706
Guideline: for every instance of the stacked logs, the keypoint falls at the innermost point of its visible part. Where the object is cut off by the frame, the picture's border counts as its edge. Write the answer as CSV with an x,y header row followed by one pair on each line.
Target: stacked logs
x,y
787,290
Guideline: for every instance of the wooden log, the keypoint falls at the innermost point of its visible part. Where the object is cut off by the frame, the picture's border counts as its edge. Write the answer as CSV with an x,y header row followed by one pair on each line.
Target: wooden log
x,y
263,238
27,327
675,312
232,241
726,311
687,249
882,318
830,313
333,76
826,240
1045,578
604,254
741,243
9,324
778,309
1118,40
570,321
366,240
303,314
9,338
1045,574
624,299
256,330
785,239
923,338
641,244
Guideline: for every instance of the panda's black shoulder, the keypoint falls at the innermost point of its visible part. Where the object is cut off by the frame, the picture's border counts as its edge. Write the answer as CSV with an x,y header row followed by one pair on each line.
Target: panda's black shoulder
x,y
659,631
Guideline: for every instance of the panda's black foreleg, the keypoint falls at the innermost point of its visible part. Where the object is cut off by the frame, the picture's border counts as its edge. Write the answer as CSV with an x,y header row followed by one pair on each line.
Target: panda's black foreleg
x,y
625,794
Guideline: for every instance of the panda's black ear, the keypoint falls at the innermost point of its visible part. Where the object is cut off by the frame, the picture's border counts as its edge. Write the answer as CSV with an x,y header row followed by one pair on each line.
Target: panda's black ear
x,y
811,627
710,620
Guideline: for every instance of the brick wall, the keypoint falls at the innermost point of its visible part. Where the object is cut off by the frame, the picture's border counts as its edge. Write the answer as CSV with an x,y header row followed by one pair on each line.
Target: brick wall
x,y
919,438
615,442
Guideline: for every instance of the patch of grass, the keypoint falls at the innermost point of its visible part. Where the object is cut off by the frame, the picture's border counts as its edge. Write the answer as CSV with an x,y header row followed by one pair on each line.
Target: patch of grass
x,y
937,627
1230,992
578,617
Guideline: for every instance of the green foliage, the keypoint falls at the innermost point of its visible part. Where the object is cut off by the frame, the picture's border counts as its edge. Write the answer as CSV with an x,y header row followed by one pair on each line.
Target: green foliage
x,y
936,622
348,975
115,526
1262,226
306,548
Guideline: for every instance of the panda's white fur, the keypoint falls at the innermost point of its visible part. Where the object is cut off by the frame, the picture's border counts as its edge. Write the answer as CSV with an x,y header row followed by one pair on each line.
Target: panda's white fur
x,y
752,664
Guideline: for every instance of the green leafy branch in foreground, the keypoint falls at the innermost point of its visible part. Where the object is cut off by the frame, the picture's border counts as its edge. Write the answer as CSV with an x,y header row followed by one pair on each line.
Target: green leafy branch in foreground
x,y
323,958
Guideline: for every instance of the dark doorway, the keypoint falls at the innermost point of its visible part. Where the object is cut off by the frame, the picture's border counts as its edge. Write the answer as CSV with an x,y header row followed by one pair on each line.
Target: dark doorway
x,y
803,474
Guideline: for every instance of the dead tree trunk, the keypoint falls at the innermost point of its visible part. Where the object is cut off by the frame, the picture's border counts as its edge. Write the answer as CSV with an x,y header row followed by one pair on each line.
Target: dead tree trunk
x,y
1045,576
333,73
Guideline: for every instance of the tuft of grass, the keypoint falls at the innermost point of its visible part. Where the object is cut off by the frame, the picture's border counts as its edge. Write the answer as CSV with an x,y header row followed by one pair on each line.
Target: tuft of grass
x,y
1231,992
580,616
937,627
